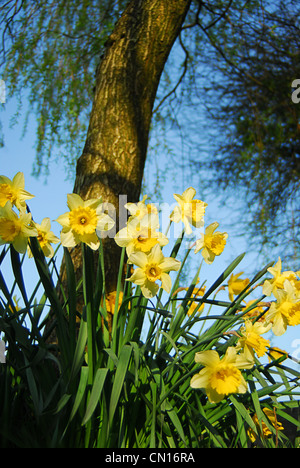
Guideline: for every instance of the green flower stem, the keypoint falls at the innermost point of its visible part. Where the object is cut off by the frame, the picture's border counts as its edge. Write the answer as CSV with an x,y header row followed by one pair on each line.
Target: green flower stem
x,y
88,271
119,288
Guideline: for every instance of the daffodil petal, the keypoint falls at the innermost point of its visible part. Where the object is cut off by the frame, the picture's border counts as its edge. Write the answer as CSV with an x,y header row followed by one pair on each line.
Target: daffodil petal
x,y
149,289
91,240
63,219
138,258
207,358
68,238
138,277
19,180
20,244
74,201
156,255
189,194
200,380
170,264
105,223
166,282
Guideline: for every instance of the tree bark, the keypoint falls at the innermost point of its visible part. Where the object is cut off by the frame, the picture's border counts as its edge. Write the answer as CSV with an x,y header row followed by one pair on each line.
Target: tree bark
x,y
113,158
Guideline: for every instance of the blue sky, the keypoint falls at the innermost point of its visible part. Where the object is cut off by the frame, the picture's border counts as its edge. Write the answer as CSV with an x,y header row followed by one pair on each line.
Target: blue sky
x,y
50,200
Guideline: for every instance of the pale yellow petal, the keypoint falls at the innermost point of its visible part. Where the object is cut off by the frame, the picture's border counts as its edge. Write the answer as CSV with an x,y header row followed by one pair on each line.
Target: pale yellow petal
x,y
29,231
166,282
74,201
48,251
121,238
19,180
211,228
176,215
189,194
156,255
267,288
68,238
279,325
161,239
187,226
46,224
91,240
95,204
200,380
20,244
138,258
64,219
169,264
4,180
244,361
199,244
105,223
230,355
149,289
207,358
138,277
243,388
208,256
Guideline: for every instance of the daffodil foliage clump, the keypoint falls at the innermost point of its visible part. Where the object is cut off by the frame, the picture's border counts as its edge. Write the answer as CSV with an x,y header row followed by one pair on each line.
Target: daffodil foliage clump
x,y
156,363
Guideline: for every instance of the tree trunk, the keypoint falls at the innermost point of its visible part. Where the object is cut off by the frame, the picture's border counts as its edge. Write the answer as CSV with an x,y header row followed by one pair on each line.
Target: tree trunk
x,y
113,158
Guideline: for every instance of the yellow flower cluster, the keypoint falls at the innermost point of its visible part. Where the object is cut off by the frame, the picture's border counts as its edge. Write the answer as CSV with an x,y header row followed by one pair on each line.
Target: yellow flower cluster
x,y
85,221
262,428
82,223
222,376
143,240
191,212
143,243
285,287
15,227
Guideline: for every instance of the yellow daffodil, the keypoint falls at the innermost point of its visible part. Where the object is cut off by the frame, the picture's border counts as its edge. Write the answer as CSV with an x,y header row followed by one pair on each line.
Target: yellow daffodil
x,y
211,243
110,301
221,377
188,210
278,279
251,340
13,191
83,221
263,429
236,285
141,235
151,268
285,310
141,209
15,229
45,237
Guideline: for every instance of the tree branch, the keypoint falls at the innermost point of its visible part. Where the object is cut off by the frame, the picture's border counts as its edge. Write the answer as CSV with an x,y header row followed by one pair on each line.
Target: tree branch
x,y
185,67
